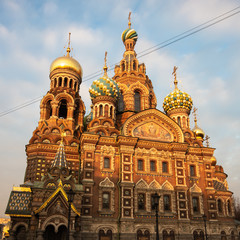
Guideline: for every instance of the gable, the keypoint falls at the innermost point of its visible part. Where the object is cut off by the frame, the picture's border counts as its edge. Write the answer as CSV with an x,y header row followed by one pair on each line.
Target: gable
x,y
152,124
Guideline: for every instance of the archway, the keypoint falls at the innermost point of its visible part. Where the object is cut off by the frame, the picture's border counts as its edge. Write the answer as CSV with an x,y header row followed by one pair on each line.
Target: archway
x,y
198,235
50,233
105,236
21,233
143,235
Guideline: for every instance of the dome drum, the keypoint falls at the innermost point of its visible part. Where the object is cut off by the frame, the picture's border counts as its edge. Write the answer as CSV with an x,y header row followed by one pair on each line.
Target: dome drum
x,y
104,99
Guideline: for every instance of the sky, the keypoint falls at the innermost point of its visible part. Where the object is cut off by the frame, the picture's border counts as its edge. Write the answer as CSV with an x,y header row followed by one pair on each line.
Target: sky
x,y
34,33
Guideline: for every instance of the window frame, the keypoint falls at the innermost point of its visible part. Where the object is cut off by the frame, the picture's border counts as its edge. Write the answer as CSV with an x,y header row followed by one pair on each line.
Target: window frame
x,y
142,165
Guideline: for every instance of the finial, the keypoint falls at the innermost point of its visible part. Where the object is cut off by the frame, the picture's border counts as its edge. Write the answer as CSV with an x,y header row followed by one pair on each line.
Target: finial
x,y
207,138
105,68
195,115
175,77
68,48
129,19
63,134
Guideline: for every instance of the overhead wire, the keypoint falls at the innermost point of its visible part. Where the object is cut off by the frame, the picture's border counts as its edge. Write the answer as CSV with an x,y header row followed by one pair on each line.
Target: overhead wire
x,y
145,52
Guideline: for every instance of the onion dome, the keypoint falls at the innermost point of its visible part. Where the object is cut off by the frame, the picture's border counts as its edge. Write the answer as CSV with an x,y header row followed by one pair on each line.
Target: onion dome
x,y
104,86
67,62
129,33
177,99
214,161
199,133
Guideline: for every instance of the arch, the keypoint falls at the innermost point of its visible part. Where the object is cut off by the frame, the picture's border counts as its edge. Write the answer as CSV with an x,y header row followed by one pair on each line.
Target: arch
x,y
106,183
55,82
229,207
139,87
21,232
51,233
65,96
167,186
106,107
20,224
111,112
50,221
220,205
46,98
223,235
143,234
75,86
100,110
121,103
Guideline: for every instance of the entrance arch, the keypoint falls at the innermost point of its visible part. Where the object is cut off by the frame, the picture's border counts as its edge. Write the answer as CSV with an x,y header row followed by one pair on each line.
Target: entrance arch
x,y
143,235
21,233
50,233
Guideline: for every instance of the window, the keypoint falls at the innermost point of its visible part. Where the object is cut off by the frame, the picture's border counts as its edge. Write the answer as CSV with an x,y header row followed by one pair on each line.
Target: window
x,y
137,101
100,110
167,202
219,205
179,121
195,203
192,171
165,167
229,207
152,166
63,109
106,200
120,103
140,165
106,162
65,82
141,201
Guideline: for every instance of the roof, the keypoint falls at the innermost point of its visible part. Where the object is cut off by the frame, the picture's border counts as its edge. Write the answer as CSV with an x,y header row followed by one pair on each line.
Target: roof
x,y
219,186
19,203
60,158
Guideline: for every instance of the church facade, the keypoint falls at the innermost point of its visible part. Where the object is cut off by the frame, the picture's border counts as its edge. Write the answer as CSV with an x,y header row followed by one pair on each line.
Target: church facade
x,y
116,159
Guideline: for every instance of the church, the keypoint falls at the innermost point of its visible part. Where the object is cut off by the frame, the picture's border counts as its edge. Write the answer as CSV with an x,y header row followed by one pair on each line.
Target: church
x,y
97,176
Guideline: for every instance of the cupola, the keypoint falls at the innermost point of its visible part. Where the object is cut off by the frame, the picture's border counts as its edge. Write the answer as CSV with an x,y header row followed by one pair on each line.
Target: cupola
x,y
178,104
199,133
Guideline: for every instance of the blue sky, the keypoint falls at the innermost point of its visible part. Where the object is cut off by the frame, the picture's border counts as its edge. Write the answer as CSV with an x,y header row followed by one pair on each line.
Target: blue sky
x,y
34,33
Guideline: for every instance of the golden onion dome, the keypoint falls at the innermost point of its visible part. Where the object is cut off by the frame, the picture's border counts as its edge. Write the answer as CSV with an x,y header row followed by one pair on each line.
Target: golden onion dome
x,y
214,161
66,62
199,133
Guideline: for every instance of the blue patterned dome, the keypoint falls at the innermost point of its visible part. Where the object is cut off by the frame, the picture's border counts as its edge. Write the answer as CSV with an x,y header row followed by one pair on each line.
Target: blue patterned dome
x,y
104,86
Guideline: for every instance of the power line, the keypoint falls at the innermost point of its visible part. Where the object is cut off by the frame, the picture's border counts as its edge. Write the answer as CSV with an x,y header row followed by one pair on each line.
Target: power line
x,y
161,45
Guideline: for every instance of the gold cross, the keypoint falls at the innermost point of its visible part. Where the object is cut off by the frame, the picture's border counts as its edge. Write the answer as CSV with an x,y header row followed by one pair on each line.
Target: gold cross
x,y
129,19
207,138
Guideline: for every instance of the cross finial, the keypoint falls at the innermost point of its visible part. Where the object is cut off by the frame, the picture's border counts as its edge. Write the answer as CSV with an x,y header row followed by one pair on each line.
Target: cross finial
x,y
69,41
129,19
207,140
174,73
105,68
195,115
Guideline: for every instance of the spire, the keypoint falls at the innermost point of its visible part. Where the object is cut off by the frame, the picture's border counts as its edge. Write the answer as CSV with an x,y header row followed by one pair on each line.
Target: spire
x,y
175,77
105,68
68,48
60,158
129,20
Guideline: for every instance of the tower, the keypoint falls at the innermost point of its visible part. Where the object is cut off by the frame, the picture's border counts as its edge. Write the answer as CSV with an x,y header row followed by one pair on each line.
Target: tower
x,y
61,111
136,90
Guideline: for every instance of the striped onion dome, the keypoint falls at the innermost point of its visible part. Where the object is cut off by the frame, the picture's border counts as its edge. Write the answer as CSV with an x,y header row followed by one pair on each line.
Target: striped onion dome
x,y
129,33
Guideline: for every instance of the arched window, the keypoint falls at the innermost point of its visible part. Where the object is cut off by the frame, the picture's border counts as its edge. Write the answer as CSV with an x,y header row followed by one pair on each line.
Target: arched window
x,y
165,167
70,83
195,203
21,233
111,112
232,235
106,200
106,110
101,110
223,235
55,82
65,82
179,121
75,86
229,207
137,101
134,65
60,82
48,110
219,205
123,67
141,201
76,113
120,103
167,202
63,109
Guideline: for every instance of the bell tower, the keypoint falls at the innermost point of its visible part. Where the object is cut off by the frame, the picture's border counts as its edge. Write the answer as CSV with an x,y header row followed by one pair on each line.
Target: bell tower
x,y
136,90
61,112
